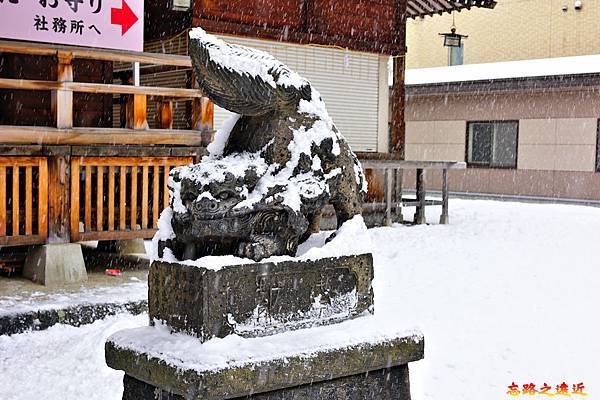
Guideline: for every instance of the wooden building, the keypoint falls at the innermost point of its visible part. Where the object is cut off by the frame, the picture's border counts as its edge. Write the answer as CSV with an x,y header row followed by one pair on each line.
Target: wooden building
x,y
85,158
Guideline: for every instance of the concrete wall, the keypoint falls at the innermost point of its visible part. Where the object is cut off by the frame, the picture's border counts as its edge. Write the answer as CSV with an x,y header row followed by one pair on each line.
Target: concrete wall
x,y
513,30
436,140
557,140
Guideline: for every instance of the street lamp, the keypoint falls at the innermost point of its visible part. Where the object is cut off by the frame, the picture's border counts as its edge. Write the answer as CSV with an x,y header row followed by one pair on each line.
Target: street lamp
x,y
452,39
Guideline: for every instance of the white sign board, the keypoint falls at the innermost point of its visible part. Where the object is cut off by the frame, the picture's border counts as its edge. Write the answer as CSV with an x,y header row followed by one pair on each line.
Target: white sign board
x,y
113,24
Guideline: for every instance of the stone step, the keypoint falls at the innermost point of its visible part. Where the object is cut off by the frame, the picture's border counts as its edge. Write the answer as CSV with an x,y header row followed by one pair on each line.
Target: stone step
x,y
343,361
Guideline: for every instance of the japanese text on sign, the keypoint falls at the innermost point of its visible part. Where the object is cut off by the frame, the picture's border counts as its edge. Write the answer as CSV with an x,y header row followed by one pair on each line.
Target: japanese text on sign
x,y
116,24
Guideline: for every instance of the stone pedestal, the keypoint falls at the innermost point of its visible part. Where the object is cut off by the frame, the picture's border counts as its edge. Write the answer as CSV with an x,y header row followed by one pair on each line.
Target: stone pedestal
x,y
343,361
55,264
260,298
385,384
291,330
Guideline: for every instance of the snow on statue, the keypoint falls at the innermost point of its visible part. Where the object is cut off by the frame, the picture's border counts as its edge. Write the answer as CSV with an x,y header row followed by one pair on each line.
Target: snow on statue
x,y
271,169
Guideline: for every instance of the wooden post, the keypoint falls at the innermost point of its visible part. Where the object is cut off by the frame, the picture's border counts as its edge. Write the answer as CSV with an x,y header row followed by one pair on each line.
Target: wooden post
x,y
202,118
42,200
15,201
399,176
135,110
111,198
398,103
75,203
421,194
164,113
203,112
444,219
388,196
62,100
59,209
135,105
397,97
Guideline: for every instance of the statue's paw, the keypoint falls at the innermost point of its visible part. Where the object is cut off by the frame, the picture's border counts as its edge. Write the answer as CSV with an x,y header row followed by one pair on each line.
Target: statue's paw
x,y
253,250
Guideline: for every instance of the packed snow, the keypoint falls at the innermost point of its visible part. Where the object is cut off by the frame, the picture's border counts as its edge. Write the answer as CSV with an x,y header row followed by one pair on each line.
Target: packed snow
x,y
132,291
506,292
244,60
352,238
186,352
576,65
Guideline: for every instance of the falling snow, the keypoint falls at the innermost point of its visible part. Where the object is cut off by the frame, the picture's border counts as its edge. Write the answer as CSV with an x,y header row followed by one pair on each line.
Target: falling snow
x,y
506,292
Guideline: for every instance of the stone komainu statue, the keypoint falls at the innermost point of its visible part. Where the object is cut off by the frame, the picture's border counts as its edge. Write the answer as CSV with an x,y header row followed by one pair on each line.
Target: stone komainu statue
x,y
270,170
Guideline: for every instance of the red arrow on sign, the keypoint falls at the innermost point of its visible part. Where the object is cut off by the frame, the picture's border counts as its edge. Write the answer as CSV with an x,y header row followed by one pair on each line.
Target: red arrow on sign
x,y
123,16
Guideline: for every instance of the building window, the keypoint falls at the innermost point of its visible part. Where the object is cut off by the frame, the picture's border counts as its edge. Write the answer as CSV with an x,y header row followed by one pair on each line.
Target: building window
x,y
456,55
492,144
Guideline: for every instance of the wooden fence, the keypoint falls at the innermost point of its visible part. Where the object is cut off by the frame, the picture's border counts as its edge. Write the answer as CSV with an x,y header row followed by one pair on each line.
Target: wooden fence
x,y
134,110
23,200
72,183
115,198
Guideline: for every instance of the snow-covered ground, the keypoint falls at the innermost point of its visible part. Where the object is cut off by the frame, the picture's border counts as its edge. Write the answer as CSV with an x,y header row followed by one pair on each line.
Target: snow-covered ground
x,y
506,292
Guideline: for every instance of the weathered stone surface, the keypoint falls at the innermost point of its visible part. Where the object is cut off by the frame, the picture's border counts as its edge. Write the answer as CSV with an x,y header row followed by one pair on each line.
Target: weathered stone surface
x,y
384,384
264,377
78,315
261,298
283,161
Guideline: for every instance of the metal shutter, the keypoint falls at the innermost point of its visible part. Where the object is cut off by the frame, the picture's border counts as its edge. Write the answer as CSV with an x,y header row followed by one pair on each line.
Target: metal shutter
x,y
348,82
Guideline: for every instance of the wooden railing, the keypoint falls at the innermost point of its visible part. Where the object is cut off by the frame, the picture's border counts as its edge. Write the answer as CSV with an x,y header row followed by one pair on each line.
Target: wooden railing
x,y
115,198
23,200
136,129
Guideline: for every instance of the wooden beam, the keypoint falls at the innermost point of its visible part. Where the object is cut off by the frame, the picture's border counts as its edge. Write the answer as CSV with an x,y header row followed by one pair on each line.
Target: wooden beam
x,y
87,53
119,235
97,136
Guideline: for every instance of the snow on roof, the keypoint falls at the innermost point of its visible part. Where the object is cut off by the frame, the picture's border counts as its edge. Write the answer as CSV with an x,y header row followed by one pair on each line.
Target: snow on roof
x,y
505,70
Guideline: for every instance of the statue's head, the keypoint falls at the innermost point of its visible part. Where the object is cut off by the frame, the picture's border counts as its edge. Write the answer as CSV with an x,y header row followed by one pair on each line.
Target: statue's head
x,y
216,199
210,192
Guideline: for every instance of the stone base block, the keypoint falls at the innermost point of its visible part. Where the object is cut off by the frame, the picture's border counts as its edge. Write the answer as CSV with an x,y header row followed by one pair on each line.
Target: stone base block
x,y
349,360
55,264
384,384
259,299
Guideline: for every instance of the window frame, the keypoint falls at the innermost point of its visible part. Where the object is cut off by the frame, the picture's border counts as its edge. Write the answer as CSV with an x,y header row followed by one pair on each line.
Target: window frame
x,y
489,165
